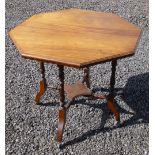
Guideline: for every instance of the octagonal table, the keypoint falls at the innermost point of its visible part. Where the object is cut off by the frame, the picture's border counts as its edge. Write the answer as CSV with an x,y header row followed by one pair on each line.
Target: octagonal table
x,y
76,38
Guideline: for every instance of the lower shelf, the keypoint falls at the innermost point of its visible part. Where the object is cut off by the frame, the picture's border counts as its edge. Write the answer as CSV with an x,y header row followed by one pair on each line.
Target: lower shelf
x,y
77,89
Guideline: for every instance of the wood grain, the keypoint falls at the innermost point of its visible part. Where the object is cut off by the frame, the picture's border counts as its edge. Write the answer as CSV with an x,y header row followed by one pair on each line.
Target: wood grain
x,y
75,37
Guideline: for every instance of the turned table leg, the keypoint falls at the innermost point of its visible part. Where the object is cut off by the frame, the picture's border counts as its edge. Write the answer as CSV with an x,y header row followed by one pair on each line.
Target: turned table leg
x,y
86,77
110,102
62,110
43,84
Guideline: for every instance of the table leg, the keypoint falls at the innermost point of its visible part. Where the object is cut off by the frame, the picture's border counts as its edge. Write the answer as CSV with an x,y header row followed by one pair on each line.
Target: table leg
x,y
86,77
43,84
110,102
62,110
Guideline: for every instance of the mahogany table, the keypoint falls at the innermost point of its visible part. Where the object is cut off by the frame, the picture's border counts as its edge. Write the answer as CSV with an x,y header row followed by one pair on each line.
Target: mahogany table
x,y
76,38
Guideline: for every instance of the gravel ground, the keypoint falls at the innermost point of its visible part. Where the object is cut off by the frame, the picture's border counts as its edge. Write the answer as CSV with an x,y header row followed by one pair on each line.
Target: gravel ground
x,y
89,130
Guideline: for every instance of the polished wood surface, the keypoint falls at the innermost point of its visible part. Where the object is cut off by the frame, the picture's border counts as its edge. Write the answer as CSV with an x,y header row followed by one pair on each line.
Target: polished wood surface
x,y
75,37
78,38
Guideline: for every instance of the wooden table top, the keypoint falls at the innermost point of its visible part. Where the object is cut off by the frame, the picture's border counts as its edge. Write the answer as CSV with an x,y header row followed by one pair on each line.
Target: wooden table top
x,y
75,37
